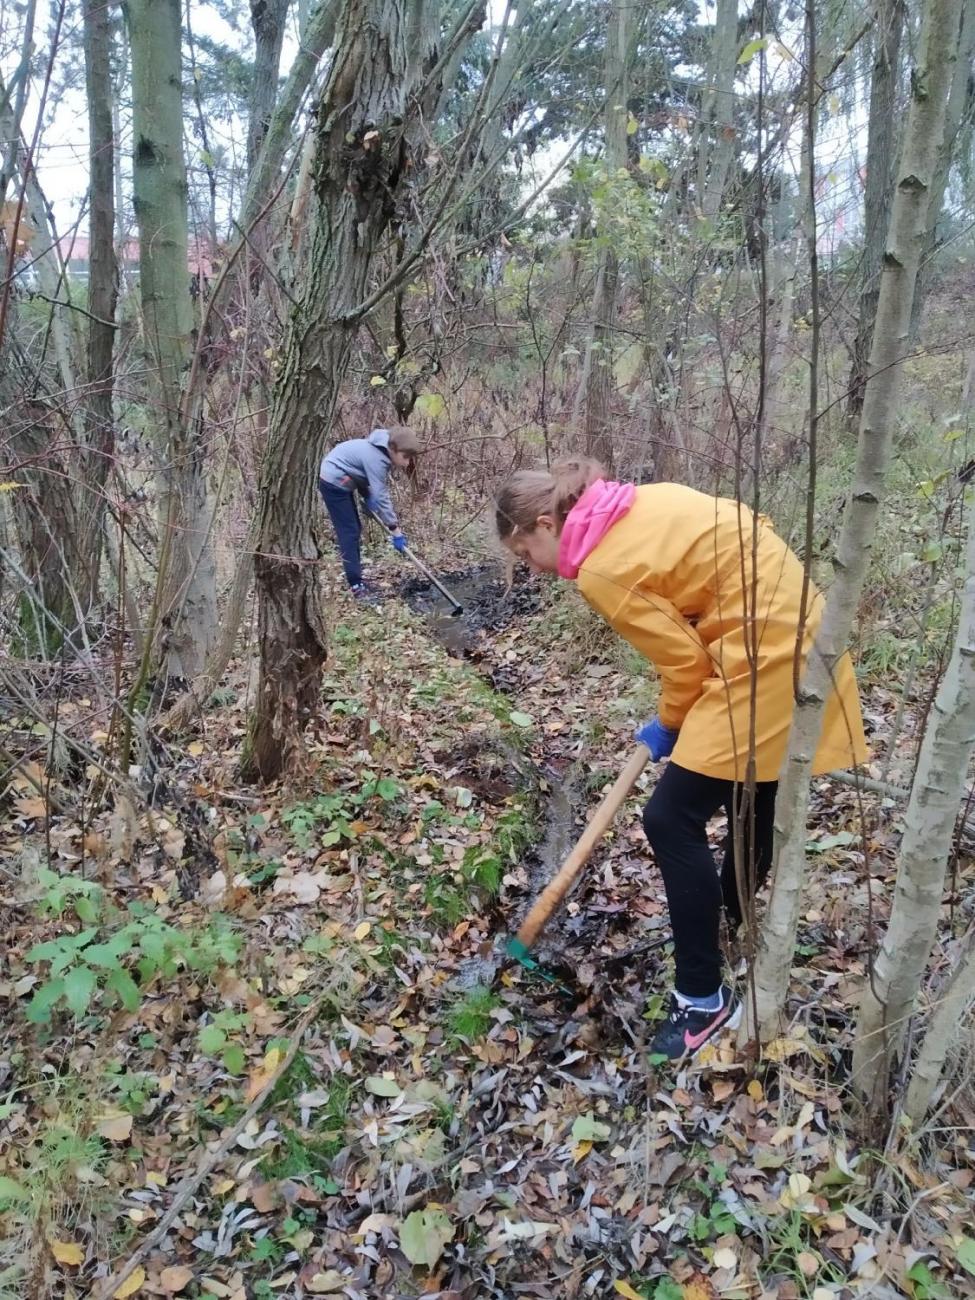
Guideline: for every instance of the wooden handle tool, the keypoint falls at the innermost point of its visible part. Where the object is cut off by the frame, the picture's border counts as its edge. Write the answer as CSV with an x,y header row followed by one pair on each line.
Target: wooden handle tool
x,y
560,884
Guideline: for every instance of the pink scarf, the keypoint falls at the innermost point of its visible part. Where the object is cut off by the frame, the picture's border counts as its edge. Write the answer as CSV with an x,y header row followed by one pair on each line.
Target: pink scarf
x,y
589,520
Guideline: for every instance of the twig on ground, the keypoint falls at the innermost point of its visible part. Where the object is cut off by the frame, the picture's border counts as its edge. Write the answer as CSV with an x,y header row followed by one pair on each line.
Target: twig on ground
x,y
193,1181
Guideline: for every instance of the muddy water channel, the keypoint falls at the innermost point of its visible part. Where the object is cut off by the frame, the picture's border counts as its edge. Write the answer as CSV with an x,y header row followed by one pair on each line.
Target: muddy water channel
x,y
488,606
606,993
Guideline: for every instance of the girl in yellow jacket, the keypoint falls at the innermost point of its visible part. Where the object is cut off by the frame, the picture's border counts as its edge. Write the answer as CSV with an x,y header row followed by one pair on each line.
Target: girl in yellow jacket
x,y
713,598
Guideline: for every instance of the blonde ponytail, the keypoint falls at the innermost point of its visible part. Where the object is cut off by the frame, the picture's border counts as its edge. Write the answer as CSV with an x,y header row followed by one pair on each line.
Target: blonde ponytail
x,y
530,493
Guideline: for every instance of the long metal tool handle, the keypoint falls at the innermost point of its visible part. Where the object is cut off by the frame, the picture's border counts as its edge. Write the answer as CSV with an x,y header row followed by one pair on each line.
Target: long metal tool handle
x,y
560,884
432,578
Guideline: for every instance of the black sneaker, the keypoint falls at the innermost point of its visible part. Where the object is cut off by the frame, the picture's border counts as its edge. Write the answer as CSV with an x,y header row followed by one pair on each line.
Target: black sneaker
x,y
365,594
687,1029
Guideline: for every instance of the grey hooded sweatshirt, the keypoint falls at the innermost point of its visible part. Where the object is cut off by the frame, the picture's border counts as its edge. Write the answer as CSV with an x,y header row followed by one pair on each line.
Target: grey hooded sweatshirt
x,y
363,465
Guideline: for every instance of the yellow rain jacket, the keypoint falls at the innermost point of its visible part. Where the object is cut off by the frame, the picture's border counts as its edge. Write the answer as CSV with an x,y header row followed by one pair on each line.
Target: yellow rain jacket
x,y
674,577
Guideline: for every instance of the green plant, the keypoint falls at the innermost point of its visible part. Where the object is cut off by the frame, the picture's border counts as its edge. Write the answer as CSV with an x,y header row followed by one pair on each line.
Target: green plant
x,y
61,892
336,812
470,1017
214,1039
102,964
446,902
132,1090
713,1221
483,869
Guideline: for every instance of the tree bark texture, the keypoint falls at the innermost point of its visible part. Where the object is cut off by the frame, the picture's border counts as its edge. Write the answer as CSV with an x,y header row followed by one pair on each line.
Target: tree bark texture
x,y
717,138
952,1004
102,280
46,261
268,18
939,785
187,572
961,108
47,530
598,370
879,187
265,170
922,139
361,162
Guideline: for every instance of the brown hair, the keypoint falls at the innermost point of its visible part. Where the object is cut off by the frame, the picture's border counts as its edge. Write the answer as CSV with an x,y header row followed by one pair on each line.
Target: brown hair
x,y
530,493
404,440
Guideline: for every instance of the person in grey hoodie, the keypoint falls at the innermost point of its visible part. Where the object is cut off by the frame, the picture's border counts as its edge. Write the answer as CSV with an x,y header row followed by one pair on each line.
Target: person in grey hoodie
x,y
363,465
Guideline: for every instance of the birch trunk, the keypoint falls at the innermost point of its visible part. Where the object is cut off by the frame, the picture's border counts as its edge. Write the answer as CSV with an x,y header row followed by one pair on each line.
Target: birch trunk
x,y
879,189
102,282
961,106
362,160
954,1001
922,139
598,374
939,785
186,572
717,139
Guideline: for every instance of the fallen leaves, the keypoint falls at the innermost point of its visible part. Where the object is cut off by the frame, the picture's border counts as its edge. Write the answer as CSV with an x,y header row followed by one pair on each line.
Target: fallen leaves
x,y
558,1158
68,1253
588,1129
115,1126
175,1278
133,1283
382,1086
424,1235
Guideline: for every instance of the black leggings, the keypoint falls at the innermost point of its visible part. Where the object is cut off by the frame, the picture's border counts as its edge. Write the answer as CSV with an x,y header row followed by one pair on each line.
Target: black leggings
x,y
675,820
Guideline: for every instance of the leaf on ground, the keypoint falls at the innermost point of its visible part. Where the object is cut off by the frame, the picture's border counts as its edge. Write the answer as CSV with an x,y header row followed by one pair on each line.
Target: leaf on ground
x,y
424,1234
326,1283
698,1288
966,1254
588,1129
520,719
175,1278
68,1252
624,1289
115,1126
382,1087
808,1263
132,1284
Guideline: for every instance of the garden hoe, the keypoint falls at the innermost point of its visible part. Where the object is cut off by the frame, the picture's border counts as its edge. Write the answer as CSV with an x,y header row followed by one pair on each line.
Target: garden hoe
x,y
555,891
456,606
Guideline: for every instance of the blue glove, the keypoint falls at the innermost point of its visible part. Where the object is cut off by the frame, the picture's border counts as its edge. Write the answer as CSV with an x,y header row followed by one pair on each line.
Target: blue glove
x,y
660,740
400,543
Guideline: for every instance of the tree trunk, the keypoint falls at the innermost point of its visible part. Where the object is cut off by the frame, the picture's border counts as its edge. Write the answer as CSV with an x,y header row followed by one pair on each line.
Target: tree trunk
x,y
598,375
922,139
717,137
102,282
46,261
879,189
268,18
961,107
48,533
953,1003
186,570
361,162
317,37
929,828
